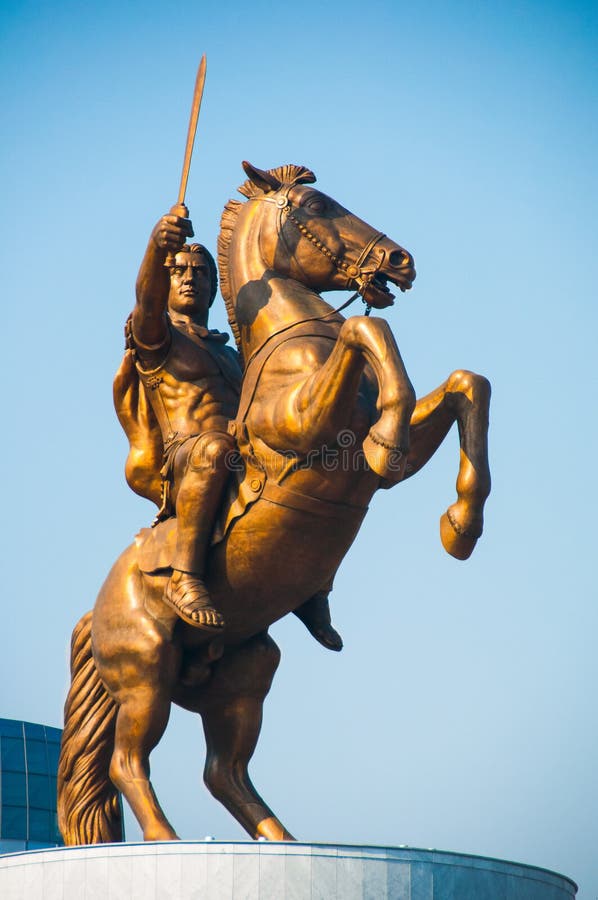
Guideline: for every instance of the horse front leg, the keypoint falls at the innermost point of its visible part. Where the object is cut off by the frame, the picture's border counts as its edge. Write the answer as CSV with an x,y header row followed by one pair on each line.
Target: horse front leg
x,y
231,709
319,407
464,398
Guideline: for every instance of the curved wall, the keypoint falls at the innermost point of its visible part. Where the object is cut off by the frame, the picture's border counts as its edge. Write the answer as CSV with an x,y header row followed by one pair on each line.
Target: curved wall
x,y
196,870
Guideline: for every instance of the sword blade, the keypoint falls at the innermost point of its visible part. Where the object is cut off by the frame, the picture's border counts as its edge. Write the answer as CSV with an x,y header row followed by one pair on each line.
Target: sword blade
x,y
197,95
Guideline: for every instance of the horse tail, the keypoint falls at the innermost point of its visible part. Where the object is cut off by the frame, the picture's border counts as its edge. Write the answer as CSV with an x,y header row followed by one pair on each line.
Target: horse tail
x,y
89,810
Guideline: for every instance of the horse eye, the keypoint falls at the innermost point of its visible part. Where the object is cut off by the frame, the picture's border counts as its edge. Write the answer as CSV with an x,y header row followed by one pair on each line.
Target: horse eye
x,y
316,205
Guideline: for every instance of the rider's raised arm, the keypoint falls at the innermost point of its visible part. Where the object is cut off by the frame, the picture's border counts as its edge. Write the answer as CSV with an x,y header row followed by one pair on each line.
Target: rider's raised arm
x,y
153,281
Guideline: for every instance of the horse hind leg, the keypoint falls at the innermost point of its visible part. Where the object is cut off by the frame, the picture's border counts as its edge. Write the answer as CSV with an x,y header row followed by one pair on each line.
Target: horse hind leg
x,y
231,710
463,398
142,717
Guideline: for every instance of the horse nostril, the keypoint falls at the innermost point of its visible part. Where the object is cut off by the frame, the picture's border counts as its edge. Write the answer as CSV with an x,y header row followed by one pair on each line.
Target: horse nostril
x,y
397,258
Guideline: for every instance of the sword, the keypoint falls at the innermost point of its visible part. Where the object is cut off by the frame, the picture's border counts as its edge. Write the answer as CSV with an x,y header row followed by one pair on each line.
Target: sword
x,y
179,209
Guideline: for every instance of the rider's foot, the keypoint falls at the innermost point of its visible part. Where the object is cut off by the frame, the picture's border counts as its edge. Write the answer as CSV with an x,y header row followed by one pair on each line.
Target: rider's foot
x,y
188,596
315,615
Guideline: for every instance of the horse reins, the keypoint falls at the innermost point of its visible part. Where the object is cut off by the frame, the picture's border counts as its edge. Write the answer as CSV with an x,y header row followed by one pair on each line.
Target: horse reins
x,y
353,271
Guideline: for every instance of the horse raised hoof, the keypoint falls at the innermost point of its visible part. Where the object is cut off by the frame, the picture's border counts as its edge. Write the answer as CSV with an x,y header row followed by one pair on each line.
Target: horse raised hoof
x,y
189,597
385,459
456,539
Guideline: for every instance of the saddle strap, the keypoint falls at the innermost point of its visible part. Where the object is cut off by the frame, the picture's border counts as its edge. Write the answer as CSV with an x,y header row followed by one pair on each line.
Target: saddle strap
x,y
284,496
253,371
255,483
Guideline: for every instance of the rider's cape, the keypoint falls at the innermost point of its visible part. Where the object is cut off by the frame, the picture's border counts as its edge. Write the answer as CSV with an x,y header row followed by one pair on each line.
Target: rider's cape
x,y
146,448
135,414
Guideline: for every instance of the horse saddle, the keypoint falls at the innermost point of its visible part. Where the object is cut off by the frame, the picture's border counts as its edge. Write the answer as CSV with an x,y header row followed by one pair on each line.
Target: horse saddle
x,y
156,545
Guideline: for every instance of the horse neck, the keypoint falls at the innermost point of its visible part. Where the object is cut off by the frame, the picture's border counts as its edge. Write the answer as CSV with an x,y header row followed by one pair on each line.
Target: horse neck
x,y
266,302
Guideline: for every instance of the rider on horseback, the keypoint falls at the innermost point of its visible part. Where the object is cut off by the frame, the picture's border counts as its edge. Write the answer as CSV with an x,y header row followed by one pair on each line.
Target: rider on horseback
x,y
175,393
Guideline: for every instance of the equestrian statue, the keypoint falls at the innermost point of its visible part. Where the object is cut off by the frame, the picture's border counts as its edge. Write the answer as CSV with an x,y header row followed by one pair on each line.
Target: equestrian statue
x,y
262,463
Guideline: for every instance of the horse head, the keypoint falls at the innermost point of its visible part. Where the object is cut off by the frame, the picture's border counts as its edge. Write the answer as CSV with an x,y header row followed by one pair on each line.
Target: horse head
x,y
290,230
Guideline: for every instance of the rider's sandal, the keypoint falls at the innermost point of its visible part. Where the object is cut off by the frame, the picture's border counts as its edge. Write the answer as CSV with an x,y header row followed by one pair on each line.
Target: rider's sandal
x,y
184,590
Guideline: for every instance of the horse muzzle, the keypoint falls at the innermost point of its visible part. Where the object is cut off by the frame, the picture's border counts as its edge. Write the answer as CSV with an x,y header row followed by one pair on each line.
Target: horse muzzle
x,y
389,263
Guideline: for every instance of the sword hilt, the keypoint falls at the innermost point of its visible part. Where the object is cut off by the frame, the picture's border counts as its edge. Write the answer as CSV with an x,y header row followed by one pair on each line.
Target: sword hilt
x,y
179,209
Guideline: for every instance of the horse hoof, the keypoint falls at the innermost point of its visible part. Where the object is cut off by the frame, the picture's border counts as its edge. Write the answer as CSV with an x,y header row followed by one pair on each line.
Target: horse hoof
x,y
160,833
384,459
458,545
271,829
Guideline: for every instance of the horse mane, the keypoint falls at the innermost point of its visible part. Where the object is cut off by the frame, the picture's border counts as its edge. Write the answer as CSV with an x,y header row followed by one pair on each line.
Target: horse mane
x,y
287,175
228,222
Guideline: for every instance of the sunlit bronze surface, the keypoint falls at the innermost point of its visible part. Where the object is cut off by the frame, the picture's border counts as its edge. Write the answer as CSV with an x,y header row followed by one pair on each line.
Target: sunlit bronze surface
x,y
200,81
327,415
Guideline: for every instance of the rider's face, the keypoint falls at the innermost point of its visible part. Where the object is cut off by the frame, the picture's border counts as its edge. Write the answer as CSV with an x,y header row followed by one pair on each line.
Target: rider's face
x,y
190,286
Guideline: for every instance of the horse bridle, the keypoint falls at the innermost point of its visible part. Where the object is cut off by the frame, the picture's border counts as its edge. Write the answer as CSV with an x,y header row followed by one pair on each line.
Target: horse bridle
x,y
353,270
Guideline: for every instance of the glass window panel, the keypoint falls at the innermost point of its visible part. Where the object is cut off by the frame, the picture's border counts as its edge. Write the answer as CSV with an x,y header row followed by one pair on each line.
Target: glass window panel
x,y
37,759
14,822
39,825
35,732
10,728
12,846
39,791
53,754
53,792
55,835
14,790
13,754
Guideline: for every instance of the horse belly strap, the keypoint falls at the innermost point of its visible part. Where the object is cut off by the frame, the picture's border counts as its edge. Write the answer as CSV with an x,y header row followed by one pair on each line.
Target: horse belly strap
x,y
284,496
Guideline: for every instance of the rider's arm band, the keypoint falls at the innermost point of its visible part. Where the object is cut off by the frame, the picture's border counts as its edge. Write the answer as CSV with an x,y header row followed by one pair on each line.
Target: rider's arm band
x,y
150,347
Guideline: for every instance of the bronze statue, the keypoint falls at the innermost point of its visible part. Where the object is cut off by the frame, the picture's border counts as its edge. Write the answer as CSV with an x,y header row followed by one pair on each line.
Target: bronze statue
x,y
327,415
175,393
191,387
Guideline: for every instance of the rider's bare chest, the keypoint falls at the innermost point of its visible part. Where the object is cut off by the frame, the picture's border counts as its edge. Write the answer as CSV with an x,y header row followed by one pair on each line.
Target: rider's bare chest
x,y
189,361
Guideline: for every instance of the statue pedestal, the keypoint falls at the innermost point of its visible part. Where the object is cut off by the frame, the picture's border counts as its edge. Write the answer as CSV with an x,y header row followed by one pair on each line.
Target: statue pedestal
x,y
213,870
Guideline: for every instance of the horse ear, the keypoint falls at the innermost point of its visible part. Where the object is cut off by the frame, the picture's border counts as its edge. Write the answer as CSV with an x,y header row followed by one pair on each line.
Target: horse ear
x,y
264,180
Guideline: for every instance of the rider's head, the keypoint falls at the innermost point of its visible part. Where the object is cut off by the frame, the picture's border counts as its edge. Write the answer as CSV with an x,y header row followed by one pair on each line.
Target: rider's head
x,y
193,280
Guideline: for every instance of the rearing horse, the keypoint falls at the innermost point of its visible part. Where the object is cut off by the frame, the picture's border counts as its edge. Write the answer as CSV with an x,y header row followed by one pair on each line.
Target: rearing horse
x,y
327,416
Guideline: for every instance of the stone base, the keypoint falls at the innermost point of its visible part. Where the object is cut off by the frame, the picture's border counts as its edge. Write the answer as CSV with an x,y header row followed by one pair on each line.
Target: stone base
x,y
212,870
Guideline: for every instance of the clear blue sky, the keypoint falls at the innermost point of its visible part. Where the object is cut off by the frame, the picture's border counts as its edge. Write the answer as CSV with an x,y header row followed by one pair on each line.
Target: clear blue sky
x,y
461,714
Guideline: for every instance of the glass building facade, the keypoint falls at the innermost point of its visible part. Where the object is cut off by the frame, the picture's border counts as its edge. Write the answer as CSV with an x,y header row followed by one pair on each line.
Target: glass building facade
x,y
28,767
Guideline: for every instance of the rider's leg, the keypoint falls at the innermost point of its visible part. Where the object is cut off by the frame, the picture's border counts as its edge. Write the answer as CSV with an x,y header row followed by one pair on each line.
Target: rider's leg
x,y
197,503
231,710
315,615
463,398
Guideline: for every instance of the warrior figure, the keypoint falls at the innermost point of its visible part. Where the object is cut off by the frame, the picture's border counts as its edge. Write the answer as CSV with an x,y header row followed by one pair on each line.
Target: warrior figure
x,y
175,393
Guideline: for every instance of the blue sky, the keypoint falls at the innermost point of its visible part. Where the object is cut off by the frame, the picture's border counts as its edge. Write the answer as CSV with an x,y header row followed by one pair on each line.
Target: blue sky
x,y
461,714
